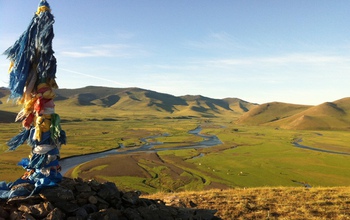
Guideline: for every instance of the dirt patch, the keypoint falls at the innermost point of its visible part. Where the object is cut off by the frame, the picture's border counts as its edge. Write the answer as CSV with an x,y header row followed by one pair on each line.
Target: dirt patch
x,y
216,185
127,165
116,165
169,173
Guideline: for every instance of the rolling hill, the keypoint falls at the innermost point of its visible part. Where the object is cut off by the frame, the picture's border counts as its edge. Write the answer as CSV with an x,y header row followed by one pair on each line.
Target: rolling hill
x,y
269,112
136,101
119,102
326,116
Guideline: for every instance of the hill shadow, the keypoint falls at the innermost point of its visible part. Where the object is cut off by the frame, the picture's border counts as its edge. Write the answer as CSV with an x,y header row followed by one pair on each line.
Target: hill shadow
x,y
86,98
110,100
168,102
7,117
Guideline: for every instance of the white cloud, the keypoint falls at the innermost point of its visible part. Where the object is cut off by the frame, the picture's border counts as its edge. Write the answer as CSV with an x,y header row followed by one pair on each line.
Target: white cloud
x,y
218,40
103,50
282,60
115,83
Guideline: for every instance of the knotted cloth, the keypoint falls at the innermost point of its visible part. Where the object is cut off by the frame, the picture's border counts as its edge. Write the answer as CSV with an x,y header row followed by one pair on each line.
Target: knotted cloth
x,y
32,82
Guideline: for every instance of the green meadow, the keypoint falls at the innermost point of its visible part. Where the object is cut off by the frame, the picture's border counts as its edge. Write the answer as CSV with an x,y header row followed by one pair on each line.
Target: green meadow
x,y
250,156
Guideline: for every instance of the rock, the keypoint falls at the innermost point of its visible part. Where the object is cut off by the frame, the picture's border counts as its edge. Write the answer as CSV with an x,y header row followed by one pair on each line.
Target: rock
x,y
67,207
192,204
92,199
24,199
81,213
76,199
27,216
55,214
110,213
204,214
16,215
108,191
3,213
83,187
28,186
94,184
131,197
39,210
57,194
132,214
174,201
90,208
147,213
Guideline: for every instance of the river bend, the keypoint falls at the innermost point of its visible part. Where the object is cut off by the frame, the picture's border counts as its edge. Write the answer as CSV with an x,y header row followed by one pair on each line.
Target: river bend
x,y
70,162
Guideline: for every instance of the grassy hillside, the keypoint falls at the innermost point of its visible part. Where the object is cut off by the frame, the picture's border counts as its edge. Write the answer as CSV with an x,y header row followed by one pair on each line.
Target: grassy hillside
x,y
326,116
269,112
266,202
107,103
103,103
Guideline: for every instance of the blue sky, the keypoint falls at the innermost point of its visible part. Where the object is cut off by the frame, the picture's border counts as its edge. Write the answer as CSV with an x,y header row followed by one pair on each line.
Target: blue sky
x,y
292,51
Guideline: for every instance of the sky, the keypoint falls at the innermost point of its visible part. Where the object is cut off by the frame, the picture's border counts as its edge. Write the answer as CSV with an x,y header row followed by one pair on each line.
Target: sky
x,y
292,51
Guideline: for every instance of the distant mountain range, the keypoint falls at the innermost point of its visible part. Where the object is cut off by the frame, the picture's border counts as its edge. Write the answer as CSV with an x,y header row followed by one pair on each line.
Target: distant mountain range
x,y
329,115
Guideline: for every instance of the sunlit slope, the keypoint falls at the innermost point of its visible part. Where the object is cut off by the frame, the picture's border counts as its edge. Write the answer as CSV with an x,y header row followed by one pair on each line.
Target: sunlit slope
x,y
326,116
90,103
270,112
104,102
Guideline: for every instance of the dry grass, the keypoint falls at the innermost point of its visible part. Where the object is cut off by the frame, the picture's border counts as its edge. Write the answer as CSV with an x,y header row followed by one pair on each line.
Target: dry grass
x,y
266,202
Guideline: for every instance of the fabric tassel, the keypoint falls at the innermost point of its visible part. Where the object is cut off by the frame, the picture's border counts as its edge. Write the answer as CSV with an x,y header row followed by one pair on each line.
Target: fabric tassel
x,y
27,109
38,105
21,54
55,128
37,161
45,138
24,163
32,49
31,142
38,121
63,138
28,121
18,140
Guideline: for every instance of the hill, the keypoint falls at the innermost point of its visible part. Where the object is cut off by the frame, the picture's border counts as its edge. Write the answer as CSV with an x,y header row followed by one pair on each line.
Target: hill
x,y
269,112
136,101
7,117
104,103
266,202
326,116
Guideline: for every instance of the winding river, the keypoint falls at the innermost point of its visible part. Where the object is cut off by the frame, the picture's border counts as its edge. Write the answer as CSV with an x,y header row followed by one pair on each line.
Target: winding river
x,y
208,141
297,144
70,162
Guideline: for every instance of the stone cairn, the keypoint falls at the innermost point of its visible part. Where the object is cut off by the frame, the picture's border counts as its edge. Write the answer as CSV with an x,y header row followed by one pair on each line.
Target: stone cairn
x,y
79,199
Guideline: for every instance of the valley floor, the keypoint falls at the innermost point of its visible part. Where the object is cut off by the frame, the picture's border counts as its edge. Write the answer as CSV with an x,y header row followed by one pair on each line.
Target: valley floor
x,y
266,202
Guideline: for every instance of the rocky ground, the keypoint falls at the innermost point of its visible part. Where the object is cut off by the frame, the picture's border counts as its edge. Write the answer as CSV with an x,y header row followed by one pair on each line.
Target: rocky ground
x,y
78,199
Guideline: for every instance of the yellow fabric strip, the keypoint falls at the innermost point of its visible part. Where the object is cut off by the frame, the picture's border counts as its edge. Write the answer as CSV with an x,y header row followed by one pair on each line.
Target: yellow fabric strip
x,y
42,124
11,66
42,9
